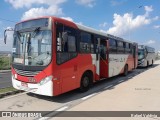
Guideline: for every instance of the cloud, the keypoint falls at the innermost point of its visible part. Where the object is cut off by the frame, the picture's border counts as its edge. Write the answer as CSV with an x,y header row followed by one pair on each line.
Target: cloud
x,y
150,42
126,23
38,12
156,26
117,3
87,3
103,24
47,7
155,18
29,3
148,9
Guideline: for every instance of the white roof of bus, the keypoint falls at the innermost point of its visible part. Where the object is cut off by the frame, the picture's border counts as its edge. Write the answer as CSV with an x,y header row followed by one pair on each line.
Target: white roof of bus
x,y
91,30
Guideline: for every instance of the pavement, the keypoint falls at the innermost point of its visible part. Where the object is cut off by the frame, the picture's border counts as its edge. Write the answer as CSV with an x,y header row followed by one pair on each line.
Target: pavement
x,y
139,93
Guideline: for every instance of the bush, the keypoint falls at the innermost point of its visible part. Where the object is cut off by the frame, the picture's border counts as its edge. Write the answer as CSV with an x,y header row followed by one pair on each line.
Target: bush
x,y
5,63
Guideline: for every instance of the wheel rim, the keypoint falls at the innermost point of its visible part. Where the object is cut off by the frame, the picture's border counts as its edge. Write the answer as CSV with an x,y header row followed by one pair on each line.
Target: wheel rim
x,y
85,81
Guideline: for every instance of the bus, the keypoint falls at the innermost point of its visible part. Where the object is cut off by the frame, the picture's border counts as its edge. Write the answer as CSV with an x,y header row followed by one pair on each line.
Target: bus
x,y
146,56
52,56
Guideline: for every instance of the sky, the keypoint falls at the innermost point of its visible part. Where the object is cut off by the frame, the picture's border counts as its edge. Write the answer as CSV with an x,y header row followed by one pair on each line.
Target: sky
x,y
134,20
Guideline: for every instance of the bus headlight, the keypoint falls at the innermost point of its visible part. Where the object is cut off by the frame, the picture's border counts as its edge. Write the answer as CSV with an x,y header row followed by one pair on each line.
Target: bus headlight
x,y
142,60
45,80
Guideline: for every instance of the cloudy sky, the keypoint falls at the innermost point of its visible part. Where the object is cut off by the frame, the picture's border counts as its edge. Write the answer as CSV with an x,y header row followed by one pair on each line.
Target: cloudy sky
x,y
136,20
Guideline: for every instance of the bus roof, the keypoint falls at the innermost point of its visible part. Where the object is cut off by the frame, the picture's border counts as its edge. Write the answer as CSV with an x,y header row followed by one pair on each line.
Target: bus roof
x,y
150,49
84,28
91,30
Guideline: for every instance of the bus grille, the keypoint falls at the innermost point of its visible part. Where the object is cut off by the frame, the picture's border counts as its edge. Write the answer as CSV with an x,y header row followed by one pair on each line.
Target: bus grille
x,y
27,73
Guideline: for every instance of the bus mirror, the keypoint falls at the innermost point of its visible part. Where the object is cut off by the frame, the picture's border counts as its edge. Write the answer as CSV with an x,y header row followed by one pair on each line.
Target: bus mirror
x,y
5,34
59,44
5,37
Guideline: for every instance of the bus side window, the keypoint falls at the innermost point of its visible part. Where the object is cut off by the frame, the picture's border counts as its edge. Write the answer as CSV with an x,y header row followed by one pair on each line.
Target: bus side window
x,y
85,42
127,48
120,47
66,43
112,46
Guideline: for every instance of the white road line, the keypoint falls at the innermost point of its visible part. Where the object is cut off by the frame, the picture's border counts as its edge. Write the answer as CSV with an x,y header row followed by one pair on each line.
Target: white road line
x,y
120,81
108,86
43,118
62,108
86,97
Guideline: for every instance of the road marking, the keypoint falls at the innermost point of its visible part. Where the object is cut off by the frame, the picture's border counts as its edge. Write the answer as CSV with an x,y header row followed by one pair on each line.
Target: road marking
x,y
62,108
108,86
120,81
43,118
86,97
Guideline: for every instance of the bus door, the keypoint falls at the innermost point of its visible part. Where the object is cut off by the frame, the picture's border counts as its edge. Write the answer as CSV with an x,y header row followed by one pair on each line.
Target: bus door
x,y
103,51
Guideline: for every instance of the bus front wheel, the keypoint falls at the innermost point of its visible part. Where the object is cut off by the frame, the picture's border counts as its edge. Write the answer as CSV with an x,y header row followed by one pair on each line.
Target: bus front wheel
x,y
85,82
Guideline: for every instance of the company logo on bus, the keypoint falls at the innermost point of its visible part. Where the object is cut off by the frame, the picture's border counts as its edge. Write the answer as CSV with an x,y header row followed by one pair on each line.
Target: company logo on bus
x,y
31,79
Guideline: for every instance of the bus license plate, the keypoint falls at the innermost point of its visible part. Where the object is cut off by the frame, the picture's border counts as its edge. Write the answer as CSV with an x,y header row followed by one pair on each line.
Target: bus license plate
x,y
24,84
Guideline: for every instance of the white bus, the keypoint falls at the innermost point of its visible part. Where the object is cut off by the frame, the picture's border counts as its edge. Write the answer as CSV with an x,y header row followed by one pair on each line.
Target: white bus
x,y
146,56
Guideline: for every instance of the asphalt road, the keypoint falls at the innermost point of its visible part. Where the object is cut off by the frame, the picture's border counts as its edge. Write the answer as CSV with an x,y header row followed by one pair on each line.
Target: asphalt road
x,y
5,79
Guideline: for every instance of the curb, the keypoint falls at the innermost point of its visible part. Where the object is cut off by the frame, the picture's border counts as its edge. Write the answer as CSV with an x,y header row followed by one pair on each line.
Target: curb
x,y
2,95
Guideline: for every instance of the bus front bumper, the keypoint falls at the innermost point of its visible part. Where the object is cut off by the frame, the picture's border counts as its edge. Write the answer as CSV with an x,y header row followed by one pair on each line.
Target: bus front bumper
x,y
142,63
45,89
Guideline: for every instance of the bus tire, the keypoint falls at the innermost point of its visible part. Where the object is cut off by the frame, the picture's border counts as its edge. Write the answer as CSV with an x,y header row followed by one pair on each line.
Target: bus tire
x,y
85,82
147,63
125,70
152,63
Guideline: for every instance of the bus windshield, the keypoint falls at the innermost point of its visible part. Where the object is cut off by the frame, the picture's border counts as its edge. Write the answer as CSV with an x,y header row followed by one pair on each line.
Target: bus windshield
x,y
141,54
32,48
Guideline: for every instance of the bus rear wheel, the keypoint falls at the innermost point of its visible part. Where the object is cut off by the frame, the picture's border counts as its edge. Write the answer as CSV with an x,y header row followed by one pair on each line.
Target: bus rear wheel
x,y
152,63
85,82
147,63
125,70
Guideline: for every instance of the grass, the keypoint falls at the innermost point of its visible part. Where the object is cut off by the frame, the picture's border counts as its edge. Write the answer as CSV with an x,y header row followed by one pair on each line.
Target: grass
x,y
8,89
5,63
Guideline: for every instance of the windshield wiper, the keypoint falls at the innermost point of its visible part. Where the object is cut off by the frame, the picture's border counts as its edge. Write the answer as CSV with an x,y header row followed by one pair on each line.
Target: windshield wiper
x,y
35,32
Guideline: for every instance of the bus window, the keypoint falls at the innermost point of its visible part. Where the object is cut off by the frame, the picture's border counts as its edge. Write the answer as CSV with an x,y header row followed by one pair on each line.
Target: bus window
x,y
127,48
66,43
86,43
120,47
112,46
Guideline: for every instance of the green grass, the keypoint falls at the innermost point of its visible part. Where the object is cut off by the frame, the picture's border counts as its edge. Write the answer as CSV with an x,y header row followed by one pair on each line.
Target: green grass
x,y
5,63
8,89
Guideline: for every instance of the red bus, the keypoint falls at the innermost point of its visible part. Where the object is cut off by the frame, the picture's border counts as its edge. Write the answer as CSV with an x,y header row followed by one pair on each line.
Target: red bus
x,y
52,56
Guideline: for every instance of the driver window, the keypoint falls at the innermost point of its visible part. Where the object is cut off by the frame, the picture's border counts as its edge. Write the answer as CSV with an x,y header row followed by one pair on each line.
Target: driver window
x,y
66,43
